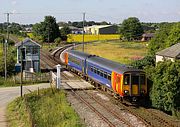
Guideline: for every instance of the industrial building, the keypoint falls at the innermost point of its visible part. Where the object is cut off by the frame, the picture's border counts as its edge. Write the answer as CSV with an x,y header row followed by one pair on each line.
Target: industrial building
x,y
100,29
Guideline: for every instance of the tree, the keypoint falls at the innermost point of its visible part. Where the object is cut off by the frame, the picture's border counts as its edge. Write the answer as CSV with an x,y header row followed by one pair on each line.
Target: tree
x,y
10,61
48,29
57,41
131,28
174,35
166,36
165,94
64,32
146,61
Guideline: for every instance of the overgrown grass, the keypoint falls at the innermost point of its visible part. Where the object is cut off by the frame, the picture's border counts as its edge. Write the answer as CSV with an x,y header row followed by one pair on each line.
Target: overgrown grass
x,y
17,114
49,109
7,83
122,52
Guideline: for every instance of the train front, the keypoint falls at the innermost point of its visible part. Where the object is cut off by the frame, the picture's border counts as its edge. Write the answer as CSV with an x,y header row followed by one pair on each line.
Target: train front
x,y
130,84
134,85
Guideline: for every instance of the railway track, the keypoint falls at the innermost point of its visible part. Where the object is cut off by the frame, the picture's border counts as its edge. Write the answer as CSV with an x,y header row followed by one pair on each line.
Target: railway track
x,y
148,118
104,111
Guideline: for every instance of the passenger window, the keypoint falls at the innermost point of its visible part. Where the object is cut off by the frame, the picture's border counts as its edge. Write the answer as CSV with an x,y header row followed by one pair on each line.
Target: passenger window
x,y
91,69
95,71
98,72
105,75
126,79
109,77
101,73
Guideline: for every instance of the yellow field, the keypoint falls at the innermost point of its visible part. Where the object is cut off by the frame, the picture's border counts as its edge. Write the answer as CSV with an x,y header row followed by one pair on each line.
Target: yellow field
x,y
122,52
30,35
88,38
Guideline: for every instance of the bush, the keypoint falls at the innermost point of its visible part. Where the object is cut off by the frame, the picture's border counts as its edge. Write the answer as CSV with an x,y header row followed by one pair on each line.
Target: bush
x,y
165,94
57,41
146,61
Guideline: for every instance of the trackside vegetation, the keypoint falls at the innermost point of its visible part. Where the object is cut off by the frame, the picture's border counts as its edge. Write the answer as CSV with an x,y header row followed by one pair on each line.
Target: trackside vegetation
x,y
164,77
49,108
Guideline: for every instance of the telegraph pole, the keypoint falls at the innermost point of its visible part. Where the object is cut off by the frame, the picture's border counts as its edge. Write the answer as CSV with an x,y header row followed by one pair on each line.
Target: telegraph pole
x,y
5,47
83,28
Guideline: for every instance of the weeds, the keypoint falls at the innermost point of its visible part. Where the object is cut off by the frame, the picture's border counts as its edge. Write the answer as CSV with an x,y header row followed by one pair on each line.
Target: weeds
x,y
49,109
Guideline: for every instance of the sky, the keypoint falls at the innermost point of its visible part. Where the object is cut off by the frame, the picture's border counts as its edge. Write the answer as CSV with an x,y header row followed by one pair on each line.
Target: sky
x,y
114,11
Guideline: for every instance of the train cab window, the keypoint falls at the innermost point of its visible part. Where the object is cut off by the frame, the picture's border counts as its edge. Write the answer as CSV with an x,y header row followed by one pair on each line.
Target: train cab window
x,y
142,79
105,75
126,79
135,79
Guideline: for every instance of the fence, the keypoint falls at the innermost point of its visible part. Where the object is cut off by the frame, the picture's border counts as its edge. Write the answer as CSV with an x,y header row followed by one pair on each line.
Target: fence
x,y
32,77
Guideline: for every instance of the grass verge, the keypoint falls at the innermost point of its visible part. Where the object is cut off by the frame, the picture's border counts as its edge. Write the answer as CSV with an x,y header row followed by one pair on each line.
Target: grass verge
x,y
48,109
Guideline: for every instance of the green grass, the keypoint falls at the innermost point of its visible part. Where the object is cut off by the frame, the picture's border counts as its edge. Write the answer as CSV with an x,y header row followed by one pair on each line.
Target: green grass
x,y
49,109
122,52
17,114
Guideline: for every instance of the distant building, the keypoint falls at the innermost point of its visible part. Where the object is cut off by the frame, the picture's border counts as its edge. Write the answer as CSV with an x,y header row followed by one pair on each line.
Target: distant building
x,y
101,29
28,29
30,55
74,30
147,36
172,53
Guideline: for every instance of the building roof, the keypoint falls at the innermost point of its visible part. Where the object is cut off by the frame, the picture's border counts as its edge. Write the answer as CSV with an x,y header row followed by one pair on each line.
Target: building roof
x,y
26,41
98,26
173,51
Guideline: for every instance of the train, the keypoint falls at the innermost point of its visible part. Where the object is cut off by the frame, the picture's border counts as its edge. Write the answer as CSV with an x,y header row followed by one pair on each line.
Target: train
x,y
124,81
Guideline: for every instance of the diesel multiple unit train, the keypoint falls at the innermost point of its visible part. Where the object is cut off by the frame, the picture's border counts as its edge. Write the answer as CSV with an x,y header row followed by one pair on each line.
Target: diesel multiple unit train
x,y
127,82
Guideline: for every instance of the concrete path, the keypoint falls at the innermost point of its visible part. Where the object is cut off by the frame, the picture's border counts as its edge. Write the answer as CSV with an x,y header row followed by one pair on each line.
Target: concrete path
x,y
10,93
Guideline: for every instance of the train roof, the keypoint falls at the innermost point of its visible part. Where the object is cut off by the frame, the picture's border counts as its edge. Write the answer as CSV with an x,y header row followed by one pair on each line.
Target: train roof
x,y
111,65
79,54
104,63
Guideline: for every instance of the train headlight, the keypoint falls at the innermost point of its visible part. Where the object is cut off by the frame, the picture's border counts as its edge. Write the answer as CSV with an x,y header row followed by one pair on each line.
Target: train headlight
x,y
126,92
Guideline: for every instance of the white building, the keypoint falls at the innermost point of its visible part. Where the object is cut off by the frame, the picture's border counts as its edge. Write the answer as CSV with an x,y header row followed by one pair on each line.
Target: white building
x,y
172,53
100,29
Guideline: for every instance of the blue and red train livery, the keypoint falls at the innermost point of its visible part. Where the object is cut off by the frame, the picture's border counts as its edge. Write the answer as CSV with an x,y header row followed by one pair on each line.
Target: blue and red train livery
x,y
123,80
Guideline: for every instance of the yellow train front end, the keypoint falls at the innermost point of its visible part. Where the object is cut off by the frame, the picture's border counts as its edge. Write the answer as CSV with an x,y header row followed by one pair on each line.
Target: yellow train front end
x,y
132,85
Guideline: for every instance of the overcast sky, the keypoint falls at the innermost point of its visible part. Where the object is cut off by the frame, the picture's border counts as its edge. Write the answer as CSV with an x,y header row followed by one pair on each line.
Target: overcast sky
x,y
114,11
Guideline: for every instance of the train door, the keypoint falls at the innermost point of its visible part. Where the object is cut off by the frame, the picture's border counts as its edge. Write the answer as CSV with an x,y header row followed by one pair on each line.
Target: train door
x,y
135,84
83,66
